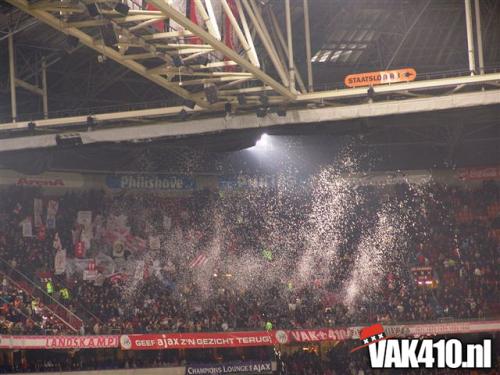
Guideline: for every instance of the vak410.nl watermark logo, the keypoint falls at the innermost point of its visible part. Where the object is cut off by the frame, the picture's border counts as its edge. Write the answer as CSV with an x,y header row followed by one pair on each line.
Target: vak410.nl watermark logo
x,y
392,353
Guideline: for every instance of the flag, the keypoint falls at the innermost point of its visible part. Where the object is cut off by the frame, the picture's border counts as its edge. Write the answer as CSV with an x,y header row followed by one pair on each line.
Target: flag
x,y
84,218
154,242
52,207
80,249
230,37
129,241
37,212
27,228
134,243
117,277
118,250
41,233
57,242
60,262
199,261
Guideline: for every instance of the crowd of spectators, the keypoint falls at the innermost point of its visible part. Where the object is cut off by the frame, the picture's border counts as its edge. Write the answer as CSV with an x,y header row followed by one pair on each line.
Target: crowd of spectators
x,y
454,235
23,313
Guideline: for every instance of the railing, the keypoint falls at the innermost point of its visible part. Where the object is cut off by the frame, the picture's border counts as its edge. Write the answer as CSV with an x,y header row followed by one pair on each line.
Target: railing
x,y
16,277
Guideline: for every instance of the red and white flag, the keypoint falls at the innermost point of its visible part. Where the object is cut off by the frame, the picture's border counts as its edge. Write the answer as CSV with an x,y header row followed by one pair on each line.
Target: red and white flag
x,y
199,261
117,277
130,242
134,243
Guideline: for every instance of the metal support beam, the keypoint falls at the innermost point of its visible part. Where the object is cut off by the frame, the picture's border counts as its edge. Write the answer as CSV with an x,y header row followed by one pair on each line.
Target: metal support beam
x,y
289,37
479,36
248,34
104,117
211,26
470,37
431,84
267,43
29,87
307,31
302,117
239,33
221,47
167,35
284,47
12,78
45,98
213,20
90,42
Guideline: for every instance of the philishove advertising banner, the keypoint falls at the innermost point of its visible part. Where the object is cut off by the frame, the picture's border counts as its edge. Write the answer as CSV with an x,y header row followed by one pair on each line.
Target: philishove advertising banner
x,y
240,367
150,182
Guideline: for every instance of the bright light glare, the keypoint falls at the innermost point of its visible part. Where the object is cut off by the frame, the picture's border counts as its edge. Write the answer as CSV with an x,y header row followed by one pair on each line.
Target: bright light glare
x,y
263,142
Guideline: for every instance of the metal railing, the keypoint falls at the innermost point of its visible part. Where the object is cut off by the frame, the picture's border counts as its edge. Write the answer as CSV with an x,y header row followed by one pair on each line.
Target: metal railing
x,y
71,320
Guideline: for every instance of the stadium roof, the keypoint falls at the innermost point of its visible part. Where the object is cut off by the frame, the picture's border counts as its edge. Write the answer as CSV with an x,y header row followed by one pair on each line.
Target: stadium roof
x,y
122,70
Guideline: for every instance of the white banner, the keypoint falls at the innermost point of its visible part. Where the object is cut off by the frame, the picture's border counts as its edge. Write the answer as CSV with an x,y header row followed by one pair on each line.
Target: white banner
x,y
37,212
60,262
84,218
118,249
154,242
52,207
27,227
89,275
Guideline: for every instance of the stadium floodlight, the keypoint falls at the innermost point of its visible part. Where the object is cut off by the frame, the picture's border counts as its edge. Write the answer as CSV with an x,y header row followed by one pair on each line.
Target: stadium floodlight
x,y
263,141
108,35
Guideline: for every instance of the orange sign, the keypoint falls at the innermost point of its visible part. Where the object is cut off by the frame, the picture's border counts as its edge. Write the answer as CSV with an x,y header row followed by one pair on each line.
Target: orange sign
x,y
380,78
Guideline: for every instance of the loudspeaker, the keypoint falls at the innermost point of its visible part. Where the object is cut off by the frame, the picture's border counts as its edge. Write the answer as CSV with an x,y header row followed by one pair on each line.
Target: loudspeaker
x,y
108,35
212,93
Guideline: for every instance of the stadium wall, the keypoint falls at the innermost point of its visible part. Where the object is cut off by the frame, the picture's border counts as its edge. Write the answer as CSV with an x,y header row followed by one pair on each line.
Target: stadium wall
x,y
58,182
